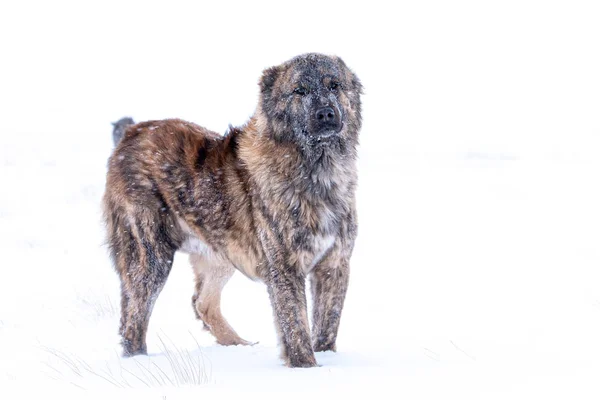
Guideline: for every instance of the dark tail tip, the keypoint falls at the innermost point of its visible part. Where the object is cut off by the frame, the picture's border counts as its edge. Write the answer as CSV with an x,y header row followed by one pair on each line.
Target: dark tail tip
x,y
119,128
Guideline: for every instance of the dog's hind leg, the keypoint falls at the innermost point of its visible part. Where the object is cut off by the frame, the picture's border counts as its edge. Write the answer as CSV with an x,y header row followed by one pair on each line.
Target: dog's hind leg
x,y
143,256
211,277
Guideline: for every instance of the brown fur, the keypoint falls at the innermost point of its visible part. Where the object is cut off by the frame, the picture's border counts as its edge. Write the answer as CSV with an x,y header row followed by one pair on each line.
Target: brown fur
x,y
273,199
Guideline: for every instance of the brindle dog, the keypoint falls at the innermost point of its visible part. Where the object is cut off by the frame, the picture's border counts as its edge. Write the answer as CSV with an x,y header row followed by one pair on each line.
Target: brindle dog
x,y
274,199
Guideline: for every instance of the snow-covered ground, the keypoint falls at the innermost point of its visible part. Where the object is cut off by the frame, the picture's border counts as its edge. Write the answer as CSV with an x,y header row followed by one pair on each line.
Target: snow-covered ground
x,y
477,269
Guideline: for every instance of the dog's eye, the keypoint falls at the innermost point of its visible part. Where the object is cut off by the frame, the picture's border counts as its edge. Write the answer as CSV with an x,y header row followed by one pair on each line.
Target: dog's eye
x,y
301,90
333,86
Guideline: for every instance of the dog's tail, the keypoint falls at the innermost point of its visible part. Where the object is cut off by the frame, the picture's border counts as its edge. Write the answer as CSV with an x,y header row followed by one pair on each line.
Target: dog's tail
x,y
119,128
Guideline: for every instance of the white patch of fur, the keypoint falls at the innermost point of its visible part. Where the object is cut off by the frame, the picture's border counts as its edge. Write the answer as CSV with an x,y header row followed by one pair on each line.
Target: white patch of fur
x,y
193,244
322,244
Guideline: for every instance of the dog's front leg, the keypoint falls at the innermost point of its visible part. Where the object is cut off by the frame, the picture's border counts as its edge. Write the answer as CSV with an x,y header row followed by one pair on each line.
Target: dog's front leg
x,y
329,283
287,293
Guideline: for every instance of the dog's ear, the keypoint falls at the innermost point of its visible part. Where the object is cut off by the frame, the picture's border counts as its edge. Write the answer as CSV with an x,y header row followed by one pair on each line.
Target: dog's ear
x,y
268,78
354,81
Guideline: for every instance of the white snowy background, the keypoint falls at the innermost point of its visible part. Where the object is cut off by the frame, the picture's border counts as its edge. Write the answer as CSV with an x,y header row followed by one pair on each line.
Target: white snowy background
x,y
477,269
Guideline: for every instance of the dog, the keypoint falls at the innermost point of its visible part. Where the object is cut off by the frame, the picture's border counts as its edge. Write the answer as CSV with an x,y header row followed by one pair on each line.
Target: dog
x,y
274,199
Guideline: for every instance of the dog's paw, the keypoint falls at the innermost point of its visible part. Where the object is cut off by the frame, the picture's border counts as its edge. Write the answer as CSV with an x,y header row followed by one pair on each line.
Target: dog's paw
x,y
228,341
306,361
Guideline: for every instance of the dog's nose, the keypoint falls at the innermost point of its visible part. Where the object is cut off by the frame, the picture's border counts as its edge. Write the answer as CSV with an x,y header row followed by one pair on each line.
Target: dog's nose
x,y
325,114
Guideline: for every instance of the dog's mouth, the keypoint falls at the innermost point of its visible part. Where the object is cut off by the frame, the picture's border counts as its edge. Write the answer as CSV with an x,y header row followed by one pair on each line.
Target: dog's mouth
x,y
327,133
324,138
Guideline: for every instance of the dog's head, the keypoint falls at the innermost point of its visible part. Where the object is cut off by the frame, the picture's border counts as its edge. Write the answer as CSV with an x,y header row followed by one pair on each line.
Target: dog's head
x,y
312,100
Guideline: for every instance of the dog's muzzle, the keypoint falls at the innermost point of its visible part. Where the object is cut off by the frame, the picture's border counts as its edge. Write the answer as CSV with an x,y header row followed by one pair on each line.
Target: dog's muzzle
x,y
327,121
